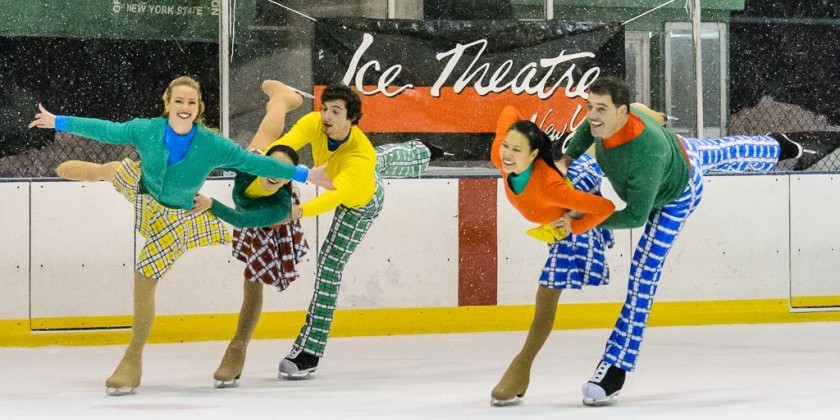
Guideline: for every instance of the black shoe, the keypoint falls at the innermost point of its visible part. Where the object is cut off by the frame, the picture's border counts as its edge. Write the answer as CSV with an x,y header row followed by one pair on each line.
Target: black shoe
x,y
816,145
434,151
299,366
604,386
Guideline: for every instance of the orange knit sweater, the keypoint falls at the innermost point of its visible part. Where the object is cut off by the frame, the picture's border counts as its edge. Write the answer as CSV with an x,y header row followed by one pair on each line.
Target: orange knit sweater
x,y
546,197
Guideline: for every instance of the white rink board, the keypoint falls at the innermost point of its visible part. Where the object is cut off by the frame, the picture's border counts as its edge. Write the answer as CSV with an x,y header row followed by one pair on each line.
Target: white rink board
x,y
409,257
82,250
815,235
14,246
735,245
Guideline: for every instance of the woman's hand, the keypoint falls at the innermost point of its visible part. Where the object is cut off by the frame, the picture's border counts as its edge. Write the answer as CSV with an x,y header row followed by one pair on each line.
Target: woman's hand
x,y
201,204
319,177
43,119
564,223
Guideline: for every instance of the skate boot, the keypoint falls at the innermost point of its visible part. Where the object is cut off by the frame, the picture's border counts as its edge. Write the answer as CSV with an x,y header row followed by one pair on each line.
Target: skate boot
x,y
435,152
126,378
511,388
789,149
604,386
277,91
229,371
297,365
807,147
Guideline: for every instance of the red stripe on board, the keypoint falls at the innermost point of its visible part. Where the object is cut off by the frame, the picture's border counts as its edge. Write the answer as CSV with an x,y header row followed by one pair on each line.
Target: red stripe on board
x,y
477,252
417,111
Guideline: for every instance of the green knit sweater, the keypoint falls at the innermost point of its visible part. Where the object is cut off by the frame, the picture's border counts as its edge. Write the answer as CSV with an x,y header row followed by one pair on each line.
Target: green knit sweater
x,y
175,186
253,212
647,172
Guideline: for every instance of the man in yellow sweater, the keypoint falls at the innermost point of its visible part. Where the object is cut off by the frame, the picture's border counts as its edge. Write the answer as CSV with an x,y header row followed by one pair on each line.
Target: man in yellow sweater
x,y
355,168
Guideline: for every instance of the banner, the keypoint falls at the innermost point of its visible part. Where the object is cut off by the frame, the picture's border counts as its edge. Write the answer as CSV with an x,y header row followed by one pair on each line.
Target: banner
x,y
183,20
447,81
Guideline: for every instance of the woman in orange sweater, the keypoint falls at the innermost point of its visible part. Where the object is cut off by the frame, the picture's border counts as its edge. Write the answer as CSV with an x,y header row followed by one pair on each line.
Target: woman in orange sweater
x,y
542,194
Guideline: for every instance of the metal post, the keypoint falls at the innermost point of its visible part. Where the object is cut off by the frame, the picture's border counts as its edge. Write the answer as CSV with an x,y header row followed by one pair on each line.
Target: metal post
x,y
549,9
698,64
392,9
224,67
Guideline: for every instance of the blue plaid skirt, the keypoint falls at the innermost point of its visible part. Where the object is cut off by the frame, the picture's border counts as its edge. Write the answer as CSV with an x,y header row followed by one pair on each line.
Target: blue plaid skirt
x,y
578,260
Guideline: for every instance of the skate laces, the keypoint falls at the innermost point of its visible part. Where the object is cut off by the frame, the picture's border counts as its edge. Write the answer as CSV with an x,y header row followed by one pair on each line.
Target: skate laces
x,y
600,372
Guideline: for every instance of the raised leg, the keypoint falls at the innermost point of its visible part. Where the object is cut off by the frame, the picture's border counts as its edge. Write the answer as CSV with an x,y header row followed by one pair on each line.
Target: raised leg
x,y
281,101
78,170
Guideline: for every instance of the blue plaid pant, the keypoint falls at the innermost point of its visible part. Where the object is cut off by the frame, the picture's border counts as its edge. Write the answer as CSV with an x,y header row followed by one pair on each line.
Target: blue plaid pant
x,y
736,154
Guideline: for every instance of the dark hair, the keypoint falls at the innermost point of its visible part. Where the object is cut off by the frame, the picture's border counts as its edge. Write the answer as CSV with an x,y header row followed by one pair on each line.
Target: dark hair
x,y
342,92
537,139
613,86
291,153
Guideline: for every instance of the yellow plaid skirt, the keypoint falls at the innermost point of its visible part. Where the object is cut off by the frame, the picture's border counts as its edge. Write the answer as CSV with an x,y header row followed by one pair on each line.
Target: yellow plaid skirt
x,y
168,232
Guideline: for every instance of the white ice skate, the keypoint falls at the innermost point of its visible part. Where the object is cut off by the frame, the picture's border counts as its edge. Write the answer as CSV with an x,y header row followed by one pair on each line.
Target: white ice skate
x,y
500,402
234,383
120,391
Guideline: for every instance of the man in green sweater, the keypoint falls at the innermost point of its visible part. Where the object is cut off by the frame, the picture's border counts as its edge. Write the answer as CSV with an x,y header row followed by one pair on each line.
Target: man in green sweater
x,y
659,175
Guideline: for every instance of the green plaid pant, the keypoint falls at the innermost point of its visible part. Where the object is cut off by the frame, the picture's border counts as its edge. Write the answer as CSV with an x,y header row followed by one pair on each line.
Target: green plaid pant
x,y
349,226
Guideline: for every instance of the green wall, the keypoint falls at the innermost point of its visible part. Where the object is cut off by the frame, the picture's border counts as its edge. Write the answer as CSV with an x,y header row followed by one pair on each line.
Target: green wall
x,y
187,20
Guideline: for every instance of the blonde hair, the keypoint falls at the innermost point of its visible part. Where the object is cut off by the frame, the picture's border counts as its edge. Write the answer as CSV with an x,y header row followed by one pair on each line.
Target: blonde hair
x,y
184,81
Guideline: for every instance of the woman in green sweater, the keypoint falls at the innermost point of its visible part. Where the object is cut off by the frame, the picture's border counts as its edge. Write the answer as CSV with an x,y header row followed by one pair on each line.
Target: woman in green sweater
x,y
271,251
177,153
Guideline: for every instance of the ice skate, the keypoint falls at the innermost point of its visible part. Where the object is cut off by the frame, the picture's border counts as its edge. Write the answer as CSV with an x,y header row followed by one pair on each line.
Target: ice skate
x,y
604,386
511,388
280,93
297,366
230,370
807,147
126,378
435,152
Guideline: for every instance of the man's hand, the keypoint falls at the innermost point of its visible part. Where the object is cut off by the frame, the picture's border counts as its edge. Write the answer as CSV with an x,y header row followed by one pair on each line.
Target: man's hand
x,y
563,164
319,177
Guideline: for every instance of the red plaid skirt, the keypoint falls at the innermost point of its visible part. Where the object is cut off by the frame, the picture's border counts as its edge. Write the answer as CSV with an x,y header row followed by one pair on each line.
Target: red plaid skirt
x,y
271,254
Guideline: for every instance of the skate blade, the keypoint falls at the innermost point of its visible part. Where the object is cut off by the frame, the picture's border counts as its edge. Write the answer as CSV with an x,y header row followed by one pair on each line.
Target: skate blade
x,y
118,392
495,402
225,384
592,402
299,376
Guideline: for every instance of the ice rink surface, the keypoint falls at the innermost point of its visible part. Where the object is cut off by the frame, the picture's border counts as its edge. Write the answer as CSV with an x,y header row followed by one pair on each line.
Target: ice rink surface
x,y
778,371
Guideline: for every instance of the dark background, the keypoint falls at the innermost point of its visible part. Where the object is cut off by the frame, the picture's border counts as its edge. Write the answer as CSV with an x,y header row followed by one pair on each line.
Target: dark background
x,y
784,50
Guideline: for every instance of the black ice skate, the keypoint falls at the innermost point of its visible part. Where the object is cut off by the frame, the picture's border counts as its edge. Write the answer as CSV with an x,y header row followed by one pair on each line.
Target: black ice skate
x,y
435,152
297,366
808,147
604,386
